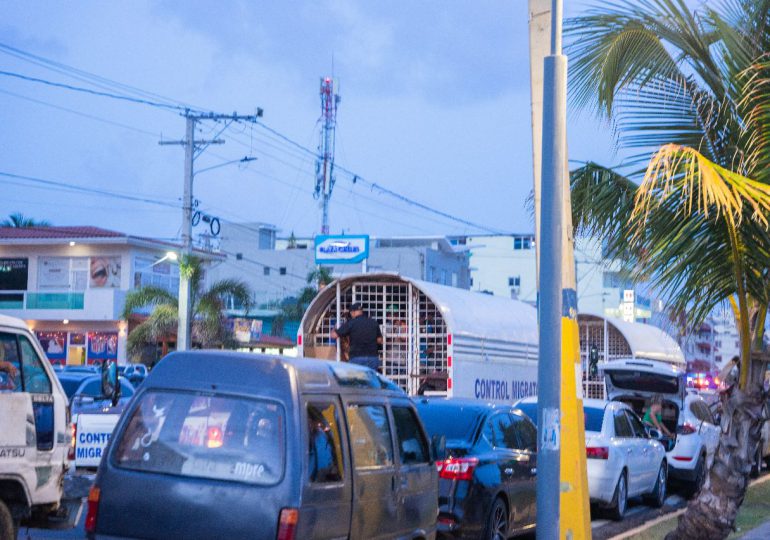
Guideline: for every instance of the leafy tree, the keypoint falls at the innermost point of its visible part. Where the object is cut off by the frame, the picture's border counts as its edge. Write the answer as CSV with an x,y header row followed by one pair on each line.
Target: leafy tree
x,y
293,308
689,92
18,220
209,327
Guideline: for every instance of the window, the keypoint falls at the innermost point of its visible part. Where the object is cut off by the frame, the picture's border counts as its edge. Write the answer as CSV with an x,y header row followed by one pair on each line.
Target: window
x,y
370,436
514,281
239,256
522,242
499,431
148,271
9,353
594,418
636,426
33,372
412,446
63,273
186,434
526,432
622,428
702,412
282,270
324,450
443,277
266,270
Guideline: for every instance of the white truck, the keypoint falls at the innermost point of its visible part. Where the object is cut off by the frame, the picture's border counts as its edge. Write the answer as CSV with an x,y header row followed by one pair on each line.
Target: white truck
x,y
436,339
35,436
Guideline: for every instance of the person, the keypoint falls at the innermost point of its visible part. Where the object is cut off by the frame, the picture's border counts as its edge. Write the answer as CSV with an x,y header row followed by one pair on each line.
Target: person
x,y
654,416
364,334
11,370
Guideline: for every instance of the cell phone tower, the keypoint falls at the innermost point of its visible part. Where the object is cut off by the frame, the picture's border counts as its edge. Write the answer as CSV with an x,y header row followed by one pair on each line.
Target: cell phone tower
x,y
324,167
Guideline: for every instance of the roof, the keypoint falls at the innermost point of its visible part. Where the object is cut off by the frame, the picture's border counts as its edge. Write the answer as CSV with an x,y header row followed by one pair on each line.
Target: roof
x,y
85,234
13,322
466,313
645,341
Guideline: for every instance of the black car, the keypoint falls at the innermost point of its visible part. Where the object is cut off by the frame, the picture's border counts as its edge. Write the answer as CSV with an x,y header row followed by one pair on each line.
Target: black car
x,y
487,481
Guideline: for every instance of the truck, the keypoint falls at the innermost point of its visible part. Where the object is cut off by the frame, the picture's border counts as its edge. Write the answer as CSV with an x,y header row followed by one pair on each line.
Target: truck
x,y
35,435
436,339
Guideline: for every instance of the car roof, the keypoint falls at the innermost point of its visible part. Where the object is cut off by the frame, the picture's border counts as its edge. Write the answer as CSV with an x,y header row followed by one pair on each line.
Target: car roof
x,y
91,378
13,322
461,403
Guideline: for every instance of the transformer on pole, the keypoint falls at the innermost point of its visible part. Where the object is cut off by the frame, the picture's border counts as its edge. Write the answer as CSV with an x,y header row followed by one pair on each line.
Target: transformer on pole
x,y
325,164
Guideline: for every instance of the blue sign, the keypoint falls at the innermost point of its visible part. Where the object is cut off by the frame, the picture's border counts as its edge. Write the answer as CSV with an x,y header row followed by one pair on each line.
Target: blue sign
x,y
341,249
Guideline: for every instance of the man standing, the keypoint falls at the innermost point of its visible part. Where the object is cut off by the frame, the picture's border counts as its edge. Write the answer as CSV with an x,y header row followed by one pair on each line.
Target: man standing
x,y
364,335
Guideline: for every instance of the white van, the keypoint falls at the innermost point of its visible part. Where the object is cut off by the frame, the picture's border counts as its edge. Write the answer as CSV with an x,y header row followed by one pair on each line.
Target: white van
x,y
35,437
635,381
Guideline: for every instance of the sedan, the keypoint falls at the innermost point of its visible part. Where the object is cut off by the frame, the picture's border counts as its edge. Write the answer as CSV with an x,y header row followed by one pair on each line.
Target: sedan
x,y
487,481
623,459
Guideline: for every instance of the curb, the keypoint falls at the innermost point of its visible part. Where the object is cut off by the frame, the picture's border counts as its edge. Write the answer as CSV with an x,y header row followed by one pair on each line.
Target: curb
x,y
672,515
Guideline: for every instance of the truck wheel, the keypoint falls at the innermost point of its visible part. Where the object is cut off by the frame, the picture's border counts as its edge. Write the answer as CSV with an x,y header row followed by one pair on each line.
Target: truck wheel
x,y
9,527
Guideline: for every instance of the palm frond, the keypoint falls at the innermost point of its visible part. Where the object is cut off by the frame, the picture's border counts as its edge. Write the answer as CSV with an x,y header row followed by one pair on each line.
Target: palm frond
x,y
236,289
147,296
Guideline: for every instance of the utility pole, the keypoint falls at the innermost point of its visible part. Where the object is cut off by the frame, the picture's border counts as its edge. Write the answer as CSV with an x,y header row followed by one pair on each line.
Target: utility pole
x,y
562,484
325,167
193,148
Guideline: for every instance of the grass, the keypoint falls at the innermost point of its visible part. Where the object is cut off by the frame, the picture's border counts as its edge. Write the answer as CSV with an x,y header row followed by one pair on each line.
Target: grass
x,y
754,512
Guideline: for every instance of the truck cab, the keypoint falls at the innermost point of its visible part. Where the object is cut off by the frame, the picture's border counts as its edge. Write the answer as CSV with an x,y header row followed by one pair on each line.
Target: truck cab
x,y
35,437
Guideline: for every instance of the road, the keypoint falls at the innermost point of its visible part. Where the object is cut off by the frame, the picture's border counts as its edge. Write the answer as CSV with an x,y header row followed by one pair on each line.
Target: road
x,y
602,529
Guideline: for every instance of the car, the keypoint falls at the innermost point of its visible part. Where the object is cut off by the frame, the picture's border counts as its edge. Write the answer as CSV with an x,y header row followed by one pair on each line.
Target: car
x,y
136,373
94,417
258,446
487,482
686,414
71,381
623,459
72,368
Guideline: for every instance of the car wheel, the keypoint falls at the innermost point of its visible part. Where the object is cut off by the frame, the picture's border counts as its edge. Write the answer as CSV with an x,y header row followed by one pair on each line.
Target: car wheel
x,y
497,522
700,474
620,499
9,527
658,496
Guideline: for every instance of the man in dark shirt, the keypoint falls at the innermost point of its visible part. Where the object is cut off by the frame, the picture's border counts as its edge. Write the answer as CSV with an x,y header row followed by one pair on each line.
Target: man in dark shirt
x,y
364,335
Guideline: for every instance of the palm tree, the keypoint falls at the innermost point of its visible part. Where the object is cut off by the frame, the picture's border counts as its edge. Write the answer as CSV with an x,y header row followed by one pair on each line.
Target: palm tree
x,y
18,220
689,92
293,308
209,328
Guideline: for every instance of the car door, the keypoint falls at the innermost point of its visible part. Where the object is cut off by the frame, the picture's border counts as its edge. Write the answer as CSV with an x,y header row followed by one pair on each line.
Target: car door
x,y
708,428
375,503
631,455
648,474
327,486
526,434
417,482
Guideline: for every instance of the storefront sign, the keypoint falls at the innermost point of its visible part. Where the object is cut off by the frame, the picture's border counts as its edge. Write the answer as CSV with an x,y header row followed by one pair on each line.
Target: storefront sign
x,y
104,273
54,344
13,274
341,249
247,330
102,346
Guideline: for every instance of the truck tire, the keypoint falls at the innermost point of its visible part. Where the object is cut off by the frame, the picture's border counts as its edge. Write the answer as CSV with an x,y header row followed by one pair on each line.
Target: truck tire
x,y
9,527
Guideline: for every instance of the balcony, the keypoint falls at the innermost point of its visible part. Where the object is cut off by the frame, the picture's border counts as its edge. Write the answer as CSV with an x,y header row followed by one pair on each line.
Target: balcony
x,y
91,304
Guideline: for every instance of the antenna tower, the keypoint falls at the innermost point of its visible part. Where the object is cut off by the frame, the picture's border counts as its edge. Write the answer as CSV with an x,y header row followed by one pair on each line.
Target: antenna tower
x,y
324,167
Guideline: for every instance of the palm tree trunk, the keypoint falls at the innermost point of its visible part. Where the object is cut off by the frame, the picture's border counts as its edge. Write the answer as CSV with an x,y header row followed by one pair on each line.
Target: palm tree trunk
x,y
711,514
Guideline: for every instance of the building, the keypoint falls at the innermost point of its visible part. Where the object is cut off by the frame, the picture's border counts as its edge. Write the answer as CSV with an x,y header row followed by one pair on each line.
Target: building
x,y
70,283
278,268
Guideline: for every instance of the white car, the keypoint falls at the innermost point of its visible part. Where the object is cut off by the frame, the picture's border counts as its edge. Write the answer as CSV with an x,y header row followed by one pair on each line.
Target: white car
x,y
623,459
686,414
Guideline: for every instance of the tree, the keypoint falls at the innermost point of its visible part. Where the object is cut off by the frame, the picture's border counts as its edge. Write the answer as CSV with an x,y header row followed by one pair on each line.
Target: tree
x,y
18,220
293,308
689,91
209,327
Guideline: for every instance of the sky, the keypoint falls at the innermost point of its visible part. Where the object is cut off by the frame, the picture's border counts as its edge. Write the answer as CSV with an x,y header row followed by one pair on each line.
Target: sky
x,y
435,106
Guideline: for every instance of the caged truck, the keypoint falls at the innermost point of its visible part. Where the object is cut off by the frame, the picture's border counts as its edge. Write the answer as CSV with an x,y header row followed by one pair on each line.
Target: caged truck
x,y
35,436
437,340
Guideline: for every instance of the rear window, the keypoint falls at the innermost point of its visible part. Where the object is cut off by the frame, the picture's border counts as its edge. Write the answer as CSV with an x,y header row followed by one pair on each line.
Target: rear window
x,y
530,409
203,436
643,381
70,386
594,418
455,423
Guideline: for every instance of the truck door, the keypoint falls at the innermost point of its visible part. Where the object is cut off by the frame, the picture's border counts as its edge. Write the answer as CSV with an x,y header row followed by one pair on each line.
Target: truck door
x,y
327,491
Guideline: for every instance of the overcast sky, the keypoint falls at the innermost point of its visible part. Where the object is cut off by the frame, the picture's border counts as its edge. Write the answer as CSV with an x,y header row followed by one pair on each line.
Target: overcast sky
x,y
435,106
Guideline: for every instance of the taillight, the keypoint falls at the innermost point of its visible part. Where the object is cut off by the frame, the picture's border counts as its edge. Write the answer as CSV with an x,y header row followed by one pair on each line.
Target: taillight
x,y
597,452
93,509
287,524
215,438
73,437
683,458
457,468
686,429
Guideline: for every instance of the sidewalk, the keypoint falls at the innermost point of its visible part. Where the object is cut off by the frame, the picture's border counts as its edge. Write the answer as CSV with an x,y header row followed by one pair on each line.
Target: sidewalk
x,y
760,533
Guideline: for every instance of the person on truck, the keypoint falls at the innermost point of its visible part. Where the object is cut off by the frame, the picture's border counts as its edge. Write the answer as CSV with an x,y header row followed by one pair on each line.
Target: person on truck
x,y
365,335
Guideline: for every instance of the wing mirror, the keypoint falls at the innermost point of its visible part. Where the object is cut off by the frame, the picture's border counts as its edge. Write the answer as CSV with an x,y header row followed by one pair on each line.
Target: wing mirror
x,y
110,381
438,447
654,433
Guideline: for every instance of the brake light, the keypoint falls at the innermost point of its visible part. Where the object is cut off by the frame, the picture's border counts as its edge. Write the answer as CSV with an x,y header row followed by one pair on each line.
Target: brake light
x,y
93,509
287,524
299,340
214,438
597,452
683,458
686,429
457,468
73,438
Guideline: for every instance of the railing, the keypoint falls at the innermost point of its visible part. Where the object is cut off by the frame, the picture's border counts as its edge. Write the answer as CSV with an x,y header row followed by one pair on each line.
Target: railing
x,y
55,301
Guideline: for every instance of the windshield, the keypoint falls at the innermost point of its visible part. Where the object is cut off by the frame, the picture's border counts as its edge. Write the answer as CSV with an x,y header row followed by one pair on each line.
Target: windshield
x,y
186,434
455,423
643,381
530,409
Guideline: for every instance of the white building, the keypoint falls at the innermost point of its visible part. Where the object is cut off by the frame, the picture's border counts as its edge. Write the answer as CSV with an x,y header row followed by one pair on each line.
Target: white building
x,y
70,283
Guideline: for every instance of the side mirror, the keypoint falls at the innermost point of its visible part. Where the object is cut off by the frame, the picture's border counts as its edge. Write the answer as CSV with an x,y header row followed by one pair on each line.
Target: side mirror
x,y
654,433
110,381
438,447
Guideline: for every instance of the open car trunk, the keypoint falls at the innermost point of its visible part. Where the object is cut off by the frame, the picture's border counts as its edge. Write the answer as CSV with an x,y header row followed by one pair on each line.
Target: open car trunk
x,y
641,404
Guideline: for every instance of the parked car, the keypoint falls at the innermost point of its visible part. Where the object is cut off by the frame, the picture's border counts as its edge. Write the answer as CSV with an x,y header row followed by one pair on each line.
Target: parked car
x,y
487,481
71,368
71,381
94,418
265,447
136,373
636,381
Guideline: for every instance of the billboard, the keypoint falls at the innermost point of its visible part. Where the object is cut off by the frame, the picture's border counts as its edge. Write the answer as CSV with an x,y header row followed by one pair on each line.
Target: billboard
x,y
104,273
54,344
247,330
13,274
341,249
102,346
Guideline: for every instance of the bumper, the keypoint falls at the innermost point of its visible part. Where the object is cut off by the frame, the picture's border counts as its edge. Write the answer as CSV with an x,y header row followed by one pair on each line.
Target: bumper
x,y
601,481
685,471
